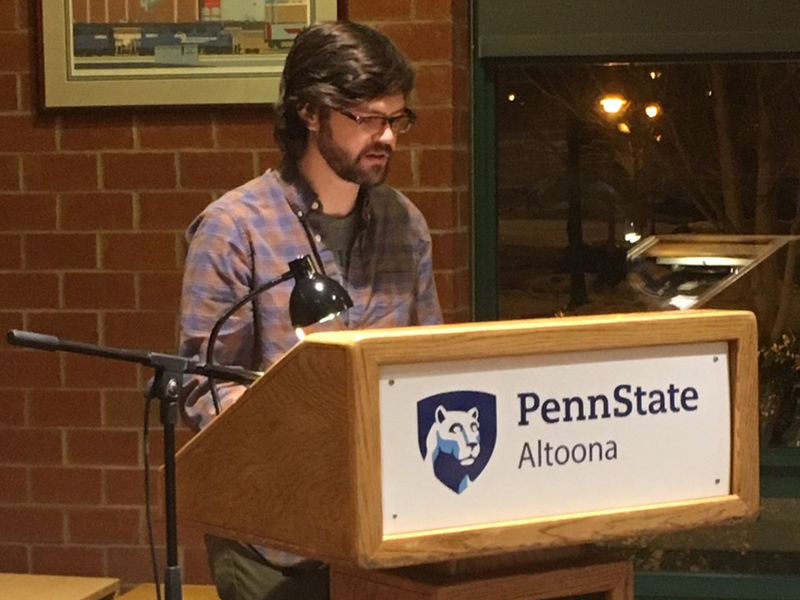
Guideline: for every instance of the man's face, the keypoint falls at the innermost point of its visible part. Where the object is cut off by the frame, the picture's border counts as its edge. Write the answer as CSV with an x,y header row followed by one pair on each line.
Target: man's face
x,y
361,153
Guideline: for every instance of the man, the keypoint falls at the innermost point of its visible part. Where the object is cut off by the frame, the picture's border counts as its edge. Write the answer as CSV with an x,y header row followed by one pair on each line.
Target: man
x,y
342,106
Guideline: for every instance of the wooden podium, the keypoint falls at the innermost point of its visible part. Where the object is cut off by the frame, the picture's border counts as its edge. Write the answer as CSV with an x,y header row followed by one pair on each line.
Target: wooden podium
x,y
588,429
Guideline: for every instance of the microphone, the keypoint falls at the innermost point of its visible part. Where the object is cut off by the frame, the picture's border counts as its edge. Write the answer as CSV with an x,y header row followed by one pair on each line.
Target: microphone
x,y
31,339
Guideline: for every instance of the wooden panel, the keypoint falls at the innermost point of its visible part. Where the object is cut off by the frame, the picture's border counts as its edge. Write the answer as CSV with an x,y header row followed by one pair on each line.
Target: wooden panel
x,y
614,579
275,468
554,532
745,454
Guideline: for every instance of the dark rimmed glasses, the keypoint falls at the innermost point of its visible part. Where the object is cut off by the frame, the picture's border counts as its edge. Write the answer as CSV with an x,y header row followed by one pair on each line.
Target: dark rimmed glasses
x,y
376,124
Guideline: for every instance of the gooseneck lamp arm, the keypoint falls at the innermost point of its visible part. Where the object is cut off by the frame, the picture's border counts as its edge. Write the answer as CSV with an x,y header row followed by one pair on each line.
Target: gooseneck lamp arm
x,y
315,298
212,338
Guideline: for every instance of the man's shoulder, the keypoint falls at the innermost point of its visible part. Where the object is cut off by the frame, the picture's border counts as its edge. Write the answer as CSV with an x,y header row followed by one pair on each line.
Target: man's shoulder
x,y
260,195
263,191
390,203
387,193
252,204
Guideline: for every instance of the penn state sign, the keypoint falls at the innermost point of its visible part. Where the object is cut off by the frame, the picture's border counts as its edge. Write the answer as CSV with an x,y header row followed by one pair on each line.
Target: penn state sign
x,y
466,443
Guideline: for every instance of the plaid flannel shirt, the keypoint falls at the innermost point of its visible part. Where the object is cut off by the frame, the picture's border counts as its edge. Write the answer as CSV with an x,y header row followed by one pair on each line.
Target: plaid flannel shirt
x,y
248,237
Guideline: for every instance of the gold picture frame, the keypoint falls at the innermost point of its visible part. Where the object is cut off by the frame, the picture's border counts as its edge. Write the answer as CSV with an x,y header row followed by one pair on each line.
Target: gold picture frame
x,y
131,55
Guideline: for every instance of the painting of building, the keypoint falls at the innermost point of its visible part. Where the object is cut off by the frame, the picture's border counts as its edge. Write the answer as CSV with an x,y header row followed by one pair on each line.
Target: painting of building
x,y
142,34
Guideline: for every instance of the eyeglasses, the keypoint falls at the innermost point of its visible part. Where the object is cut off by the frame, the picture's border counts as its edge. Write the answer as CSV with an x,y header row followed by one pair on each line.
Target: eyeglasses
x,y
375,124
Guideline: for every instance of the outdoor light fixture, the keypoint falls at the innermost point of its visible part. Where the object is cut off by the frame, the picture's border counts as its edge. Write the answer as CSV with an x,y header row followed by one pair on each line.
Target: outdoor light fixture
x,y
612,105
315,298
652,110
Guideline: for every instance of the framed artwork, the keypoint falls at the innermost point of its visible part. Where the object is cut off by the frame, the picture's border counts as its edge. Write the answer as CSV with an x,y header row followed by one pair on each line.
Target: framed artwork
x,y
170,52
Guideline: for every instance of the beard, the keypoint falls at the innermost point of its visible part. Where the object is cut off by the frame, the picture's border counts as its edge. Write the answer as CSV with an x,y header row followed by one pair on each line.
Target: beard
x,y
352,169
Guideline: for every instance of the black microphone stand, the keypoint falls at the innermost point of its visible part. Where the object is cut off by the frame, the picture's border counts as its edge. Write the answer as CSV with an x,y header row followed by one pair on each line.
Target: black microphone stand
x,y
167,386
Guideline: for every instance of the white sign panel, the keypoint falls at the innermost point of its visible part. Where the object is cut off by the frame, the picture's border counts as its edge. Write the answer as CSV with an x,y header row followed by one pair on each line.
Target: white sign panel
x,y
480,442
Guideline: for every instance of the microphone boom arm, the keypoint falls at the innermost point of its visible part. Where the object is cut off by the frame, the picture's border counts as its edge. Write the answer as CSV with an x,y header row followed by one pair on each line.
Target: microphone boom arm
x,y
155,360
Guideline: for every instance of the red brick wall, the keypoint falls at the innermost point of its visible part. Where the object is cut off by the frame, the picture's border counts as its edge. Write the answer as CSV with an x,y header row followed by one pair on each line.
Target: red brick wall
x,y
92,210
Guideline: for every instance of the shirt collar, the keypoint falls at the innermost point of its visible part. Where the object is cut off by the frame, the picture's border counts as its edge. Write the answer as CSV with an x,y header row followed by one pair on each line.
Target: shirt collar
x,y
303,199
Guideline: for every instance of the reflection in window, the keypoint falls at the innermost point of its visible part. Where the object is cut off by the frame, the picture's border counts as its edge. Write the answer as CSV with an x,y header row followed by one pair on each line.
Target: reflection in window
x,y
593,158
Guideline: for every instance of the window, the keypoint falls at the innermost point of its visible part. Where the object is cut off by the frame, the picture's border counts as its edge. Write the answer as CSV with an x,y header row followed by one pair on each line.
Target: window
x,y
611,150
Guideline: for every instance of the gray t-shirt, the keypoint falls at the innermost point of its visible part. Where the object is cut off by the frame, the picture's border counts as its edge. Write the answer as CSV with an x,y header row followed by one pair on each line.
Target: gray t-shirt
x,y
338,233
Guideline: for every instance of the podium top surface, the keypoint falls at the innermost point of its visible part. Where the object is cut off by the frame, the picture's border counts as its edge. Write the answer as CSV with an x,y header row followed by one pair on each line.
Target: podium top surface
x,y
464,341
526,326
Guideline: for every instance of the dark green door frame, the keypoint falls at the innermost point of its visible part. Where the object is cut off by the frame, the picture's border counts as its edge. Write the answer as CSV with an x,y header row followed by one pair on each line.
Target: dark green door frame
x,y
484,225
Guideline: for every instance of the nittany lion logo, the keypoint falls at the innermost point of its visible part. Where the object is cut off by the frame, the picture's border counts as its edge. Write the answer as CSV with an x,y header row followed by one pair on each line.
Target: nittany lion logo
x,y
457,432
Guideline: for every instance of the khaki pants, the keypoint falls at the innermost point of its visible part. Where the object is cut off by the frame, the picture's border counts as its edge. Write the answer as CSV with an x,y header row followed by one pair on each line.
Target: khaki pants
x,y
241,573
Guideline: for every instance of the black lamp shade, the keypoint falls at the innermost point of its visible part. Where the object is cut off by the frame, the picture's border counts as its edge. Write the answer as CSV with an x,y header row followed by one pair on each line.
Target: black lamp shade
x,y
315,297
